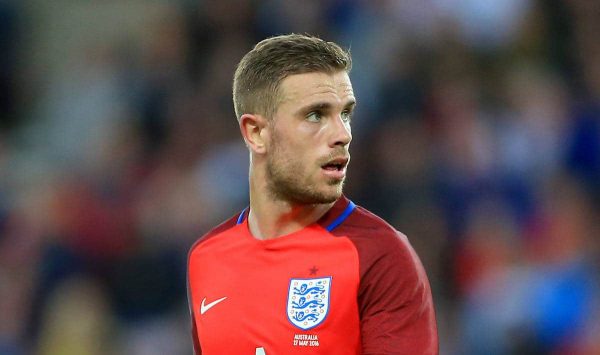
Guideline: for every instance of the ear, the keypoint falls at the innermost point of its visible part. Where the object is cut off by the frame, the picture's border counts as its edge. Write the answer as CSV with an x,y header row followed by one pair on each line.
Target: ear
x,y
254,129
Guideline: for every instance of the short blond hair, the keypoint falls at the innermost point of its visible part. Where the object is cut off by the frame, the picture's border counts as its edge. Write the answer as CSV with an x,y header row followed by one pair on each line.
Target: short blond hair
x,y
259,74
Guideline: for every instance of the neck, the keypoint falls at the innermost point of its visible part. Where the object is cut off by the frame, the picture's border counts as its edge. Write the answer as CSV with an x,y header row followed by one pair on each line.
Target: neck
x,y
271,218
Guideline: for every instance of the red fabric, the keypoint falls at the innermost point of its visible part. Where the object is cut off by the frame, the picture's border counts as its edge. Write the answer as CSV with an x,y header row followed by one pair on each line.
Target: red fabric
x,y
380,300
394,298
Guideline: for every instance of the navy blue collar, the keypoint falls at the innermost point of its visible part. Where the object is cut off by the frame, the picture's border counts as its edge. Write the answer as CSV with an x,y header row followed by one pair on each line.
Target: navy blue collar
x,y
331,226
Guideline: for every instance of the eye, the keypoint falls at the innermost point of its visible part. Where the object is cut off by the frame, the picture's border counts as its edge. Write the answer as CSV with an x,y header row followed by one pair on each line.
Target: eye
x,y
313,117
346,116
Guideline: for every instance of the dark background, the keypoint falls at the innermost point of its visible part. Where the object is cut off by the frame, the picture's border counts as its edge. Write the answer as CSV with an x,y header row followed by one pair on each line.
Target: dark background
x,y
477,134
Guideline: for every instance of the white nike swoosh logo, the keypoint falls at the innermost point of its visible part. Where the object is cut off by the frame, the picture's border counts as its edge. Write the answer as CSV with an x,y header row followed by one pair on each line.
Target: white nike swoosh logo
x,y
204,308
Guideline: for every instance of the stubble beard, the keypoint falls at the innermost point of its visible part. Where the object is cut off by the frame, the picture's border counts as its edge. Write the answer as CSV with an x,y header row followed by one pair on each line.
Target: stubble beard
x,y
286,181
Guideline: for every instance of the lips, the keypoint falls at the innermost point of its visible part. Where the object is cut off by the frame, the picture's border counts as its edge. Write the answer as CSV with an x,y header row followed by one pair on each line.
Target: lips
x,y
336,164
336,168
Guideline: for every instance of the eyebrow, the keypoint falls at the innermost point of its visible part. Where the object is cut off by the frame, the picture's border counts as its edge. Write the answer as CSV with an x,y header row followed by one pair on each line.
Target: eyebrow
x,y
325,106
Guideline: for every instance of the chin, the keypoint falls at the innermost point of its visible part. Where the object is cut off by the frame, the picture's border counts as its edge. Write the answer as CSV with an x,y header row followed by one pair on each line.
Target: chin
x,y
307,194
316,197
332,196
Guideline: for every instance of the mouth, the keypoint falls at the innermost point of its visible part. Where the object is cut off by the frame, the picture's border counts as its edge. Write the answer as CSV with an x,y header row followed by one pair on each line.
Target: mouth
x,y
337,164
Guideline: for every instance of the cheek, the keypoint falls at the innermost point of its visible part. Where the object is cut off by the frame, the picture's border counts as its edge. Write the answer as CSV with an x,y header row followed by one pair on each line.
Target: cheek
x,y
295,162
296,149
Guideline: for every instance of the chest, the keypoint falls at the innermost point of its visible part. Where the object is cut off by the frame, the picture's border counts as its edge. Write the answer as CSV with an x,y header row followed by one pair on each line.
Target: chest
x,y
290,298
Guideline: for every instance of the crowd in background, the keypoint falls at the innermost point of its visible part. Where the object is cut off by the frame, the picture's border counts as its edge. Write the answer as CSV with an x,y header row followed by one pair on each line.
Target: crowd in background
x,y
477,134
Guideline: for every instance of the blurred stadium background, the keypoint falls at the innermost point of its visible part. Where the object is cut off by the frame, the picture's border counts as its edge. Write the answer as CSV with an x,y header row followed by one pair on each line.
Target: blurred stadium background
x,y
477,135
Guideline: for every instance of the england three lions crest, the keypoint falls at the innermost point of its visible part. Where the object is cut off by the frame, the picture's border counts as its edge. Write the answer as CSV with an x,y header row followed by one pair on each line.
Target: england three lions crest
x,y
308,301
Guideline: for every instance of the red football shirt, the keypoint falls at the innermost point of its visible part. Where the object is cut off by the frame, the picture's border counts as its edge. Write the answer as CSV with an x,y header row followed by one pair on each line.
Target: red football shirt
x,y
348,284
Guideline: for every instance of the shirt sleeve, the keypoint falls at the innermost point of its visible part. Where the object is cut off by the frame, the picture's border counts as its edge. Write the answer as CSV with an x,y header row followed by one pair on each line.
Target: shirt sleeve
x,y
195,341
395,303
223,226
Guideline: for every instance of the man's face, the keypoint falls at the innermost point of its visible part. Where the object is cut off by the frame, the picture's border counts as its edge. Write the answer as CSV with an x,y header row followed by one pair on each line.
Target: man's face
x,y
308,148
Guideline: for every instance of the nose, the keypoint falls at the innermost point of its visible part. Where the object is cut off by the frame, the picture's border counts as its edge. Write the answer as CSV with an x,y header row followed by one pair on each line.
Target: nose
x,y
342,133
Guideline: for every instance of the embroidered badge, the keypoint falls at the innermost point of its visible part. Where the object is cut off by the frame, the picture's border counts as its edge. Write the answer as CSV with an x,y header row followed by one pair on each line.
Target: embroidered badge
x,y
308,301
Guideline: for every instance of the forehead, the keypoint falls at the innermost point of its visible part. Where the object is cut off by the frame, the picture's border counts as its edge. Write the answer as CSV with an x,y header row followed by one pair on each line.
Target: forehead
x,y
308,87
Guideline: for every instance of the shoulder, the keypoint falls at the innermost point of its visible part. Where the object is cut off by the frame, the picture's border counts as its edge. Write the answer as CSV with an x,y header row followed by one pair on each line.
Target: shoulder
x,y
219,229
394,296
379,245
371,233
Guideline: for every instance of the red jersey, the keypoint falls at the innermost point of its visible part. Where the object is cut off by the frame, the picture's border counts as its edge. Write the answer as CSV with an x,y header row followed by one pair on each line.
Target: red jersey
x,y
348,284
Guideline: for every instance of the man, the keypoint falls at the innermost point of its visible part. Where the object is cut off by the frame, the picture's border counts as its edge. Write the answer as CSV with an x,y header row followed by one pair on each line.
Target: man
x,y
303,270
